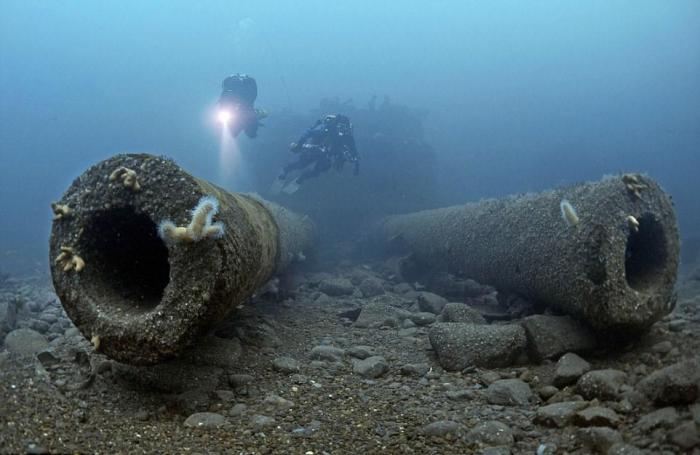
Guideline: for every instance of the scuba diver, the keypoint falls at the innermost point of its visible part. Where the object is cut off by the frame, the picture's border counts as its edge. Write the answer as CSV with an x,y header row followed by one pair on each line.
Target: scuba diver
x,y
236,105
328,143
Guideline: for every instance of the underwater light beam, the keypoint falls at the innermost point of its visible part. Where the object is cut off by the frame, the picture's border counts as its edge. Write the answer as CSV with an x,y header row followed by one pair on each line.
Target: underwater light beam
x,y
224,116
229,154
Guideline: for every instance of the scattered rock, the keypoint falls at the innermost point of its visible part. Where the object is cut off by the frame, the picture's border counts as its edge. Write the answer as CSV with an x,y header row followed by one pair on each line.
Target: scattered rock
x,y
441,428
431,303
402,288
36,449
39,326
601,384
662,347
410,332
47,358
379,312
459,345
361,352
323,300
278,403
224,395
371,287
422,318
205,420
695,412
25,342
371,367
191,401
262,421
558,414
415,369
547,392
240,380
463,394
509,392
570,367
551,336
142,415
596,416
620,448
336,287
599,439
459,312
237,410
491,433
685,436
676,384
8,316
328,353
661,418
286,365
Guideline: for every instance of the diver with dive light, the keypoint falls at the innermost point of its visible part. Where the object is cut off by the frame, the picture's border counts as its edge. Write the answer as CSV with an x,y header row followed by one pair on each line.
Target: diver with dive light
x,y
328,143
236,105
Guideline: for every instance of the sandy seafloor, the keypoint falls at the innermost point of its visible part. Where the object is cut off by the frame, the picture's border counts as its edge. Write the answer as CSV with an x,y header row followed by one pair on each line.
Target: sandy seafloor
x,y
286,375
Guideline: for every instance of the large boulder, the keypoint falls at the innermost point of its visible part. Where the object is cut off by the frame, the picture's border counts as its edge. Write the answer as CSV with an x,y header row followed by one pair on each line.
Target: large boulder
x,y
509,392
601,384
459,345
379,311
551,336
570,367
25,342
432,303
336,287
459,312
674,385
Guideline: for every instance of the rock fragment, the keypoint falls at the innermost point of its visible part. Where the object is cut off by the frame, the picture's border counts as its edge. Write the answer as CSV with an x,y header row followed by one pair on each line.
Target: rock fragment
x,y
459,345
570,367
558,414
551,336
459,312
371,367
676,384
601,384
25,342
509,392
205,420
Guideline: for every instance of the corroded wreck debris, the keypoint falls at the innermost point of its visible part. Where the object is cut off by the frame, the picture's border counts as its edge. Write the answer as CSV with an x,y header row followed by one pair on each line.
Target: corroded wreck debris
x,y
149,296
615,276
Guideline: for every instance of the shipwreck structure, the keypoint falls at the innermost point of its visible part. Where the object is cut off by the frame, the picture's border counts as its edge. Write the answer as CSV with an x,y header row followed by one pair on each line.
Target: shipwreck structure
x,y
605,252
145,257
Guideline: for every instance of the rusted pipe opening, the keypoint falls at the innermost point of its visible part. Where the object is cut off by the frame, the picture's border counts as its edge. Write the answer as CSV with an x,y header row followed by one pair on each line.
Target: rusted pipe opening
x,y
646,254
130,267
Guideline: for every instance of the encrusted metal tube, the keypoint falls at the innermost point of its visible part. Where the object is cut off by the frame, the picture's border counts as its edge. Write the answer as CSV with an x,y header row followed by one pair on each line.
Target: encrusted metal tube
x,y
142,297
606,252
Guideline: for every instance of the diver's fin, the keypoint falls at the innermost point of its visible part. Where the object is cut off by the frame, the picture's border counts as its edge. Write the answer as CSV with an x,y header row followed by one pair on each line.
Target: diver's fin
x,y
291,187
277,186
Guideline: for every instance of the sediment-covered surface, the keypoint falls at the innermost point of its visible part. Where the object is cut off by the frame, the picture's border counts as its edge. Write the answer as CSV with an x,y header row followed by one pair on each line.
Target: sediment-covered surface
x,y
142,298
343,364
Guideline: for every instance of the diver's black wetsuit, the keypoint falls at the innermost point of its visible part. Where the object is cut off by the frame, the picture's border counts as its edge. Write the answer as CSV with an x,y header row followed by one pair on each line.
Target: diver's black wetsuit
x,y
329,142
238,95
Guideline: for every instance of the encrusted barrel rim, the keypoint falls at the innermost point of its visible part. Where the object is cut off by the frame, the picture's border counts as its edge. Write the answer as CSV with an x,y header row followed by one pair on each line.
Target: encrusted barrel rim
x,y
145,257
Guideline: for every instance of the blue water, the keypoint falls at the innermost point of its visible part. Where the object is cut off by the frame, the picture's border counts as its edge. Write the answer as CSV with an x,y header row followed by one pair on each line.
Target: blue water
x,y
515,96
